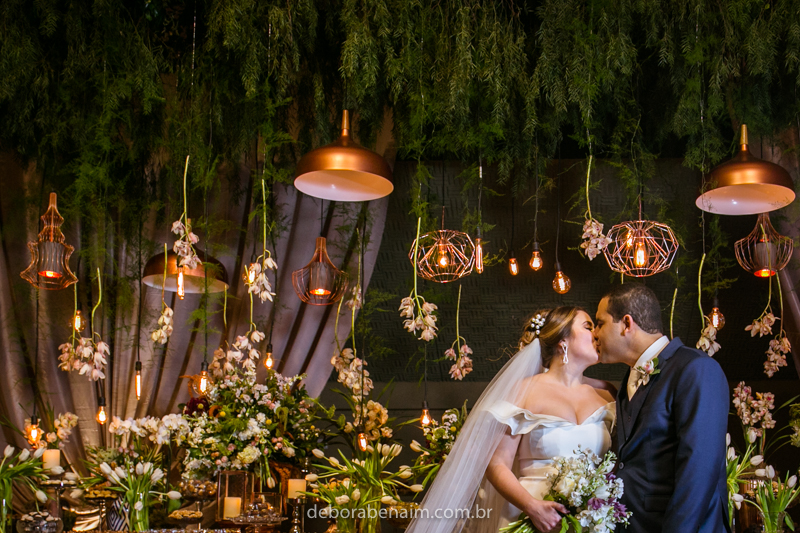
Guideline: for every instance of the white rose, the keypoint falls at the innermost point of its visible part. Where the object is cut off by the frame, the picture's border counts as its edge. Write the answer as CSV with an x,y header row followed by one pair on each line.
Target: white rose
x,y
565,487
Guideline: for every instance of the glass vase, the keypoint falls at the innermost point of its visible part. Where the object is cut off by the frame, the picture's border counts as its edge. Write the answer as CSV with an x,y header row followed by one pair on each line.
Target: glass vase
x,y
139,511
773,522
347,525
371,523
5,505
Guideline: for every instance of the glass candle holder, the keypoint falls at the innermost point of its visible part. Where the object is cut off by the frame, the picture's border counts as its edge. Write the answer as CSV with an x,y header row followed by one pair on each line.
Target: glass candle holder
x,y
234,491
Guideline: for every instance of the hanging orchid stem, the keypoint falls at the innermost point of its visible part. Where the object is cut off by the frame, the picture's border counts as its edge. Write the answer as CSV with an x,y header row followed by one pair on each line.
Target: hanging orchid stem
x,y
264,209
416,249
769,292
700,291
225,308
588,174
185,208
252,325
780,297
672,313
164,279
99,297
336,326
458,310
75,312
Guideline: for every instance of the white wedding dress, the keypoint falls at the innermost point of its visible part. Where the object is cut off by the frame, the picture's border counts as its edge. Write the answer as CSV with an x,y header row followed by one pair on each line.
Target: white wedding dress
x,y
545,437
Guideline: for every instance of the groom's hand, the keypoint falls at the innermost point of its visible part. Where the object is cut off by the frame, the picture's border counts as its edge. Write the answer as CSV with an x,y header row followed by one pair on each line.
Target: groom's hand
x,y
545,514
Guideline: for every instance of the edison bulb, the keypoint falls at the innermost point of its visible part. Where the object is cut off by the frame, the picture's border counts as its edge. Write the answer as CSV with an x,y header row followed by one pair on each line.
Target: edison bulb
x,y
202,385
442,259
362,441
513,267
716,317
138,379
101,417
181,285
561,283
33,433
425,419
268,361
640,255
536,262
478,256
78,322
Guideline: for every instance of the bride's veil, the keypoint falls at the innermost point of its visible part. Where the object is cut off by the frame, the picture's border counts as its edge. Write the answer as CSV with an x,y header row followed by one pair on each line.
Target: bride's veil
x,y
451,504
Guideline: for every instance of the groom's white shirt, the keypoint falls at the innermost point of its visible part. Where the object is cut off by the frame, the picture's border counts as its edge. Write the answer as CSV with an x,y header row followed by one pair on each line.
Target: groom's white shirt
x,y
648,355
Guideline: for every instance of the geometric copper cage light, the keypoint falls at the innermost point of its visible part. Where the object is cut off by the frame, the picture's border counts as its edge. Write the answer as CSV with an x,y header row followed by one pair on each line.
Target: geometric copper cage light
x,y
764,251
49,268
443,255
640,248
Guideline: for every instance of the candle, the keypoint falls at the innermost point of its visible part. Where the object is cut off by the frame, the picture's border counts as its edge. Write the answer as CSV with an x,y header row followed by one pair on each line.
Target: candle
x,y
51,459
296,486
232,507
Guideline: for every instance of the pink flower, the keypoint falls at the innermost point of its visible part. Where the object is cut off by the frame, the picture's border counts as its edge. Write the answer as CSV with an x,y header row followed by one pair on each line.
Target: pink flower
x,y
450,353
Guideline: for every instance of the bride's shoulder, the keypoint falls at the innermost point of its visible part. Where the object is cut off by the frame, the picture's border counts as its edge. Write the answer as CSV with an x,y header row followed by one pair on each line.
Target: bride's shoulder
x,y
604,389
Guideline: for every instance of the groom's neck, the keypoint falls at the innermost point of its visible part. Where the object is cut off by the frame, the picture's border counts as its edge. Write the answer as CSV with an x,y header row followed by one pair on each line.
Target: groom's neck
x,y
641,342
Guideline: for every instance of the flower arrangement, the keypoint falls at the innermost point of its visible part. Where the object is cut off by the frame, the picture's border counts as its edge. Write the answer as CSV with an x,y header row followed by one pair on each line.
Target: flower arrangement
x,y
593,238
247,423
459,353
794,424
356,487
586,485
24,467
772,497
708,339
85,354
439,440
779,346
736,466
419,314
754,412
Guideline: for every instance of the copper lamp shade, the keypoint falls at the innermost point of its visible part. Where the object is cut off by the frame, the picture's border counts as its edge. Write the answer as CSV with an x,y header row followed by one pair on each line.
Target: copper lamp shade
x,y
49,268
319,282
764,252
344,171
746,185
443,255
194,278
640,248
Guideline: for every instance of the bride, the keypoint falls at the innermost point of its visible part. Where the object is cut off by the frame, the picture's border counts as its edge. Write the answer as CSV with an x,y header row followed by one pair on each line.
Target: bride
x,y
539,406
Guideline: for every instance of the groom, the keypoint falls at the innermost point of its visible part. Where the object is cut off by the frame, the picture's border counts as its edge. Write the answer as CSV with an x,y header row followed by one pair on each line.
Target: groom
x,y
672,412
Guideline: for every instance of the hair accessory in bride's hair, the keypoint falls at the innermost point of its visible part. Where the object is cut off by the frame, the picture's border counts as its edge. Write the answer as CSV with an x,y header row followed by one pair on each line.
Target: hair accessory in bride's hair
x,y
536,324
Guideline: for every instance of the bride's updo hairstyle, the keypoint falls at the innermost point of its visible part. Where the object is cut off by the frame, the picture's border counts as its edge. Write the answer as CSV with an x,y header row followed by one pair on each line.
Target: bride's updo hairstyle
x,y
551,326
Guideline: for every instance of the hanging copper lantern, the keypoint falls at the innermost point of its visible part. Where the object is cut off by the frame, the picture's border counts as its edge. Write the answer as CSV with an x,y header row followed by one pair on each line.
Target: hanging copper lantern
x,y
746,185
764,252
319,282
344,171
640,248
443,255
49,268
194,279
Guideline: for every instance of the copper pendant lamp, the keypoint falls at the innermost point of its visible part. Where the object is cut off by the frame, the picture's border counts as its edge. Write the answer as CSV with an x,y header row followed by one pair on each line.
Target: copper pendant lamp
x,y
344,171
319,282
49,268
640,248
764,252
746,185
443,255
194,279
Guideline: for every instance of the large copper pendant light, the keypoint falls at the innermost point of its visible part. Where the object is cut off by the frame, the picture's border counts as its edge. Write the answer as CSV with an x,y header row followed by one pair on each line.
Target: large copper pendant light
x,y
764,252
49,268
746,185
319,282
193,279
443,255
344,171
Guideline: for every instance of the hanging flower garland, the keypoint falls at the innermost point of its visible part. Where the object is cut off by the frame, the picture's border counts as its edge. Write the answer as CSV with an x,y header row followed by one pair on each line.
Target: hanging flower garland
x,y
458,352
255,275
242,352
419,314
593,238
779,346
84,354
184,246
164,330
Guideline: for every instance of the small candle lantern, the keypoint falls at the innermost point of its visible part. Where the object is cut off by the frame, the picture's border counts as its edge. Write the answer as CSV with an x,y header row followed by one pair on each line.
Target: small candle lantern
x,y
234,491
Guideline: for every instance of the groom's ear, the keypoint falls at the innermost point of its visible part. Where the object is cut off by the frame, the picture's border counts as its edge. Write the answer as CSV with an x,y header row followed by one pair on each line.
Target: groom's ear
x,y
627,324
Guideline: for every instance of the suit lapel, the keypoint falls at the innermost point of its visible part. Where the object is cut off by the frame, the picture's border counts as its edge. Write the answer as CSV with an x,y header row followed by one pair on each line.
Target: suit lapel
x,y
622,409
633,408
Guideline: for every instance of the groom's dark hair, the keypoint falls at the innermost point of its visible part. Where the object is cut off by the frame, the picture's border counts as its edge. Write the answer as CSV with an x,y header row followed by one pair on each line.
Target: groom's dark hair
x,y
638,301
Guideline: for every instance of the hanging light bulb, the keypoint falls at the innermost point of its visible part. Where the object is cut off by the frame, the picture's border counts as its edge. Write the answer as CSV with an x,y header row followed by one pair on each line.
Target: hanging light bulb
x,y
442,258
33,433
362,441
101,417
319,282
536,262
716,317
268,361
203,381
425,419
78,322
640,255
513,267
478,256
561,283
181,284
138,379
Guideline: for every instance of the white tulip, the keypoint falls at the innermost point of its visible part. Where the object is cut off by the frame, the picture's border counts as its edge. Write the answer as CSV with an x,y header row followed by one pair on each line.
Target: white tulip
x,y
341,500
122,474
271,482
312,477
770,472
38,453
174,495
57,470
737,500
416,488
104,468
139,469
731,453
388,500
370,449
396,449
319,454
756,460
41,496
138,506
71,476
416,446
792,482
9,451
386,450
156,476
148,466
405,474
727,439
23,456
356,495
334,461
75,494
752,435
760,472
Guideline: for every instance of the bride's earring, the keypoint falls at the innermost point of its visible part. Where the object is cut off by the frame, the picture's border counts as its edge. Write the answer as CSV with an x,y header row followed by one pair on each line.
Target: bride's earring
x,y
565,358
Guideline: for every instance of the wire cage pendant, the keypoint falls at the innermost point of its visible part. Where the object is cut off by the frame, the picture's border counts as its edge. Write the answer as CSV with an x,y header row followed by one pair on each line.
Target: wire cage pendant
x,y
640,248
319,282
764,251
49,268
443,255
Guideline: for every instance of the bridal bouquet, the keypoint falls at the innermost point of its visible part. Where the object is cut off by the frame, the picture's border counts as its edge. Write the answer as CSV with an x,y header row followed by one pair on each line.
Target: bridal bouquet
x,y
584,483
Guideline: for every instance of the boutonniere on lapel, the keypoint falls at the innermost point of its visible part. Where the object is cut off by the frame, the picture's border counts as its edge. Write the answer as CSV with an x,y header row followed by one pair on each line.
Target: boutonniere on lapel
x,y
646,371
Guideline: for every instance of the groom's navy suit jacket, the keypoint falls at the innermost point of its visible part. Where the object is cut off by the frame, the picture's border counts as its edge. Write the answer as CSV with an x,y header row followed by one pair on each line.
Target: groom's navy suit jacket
x,y
672,445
